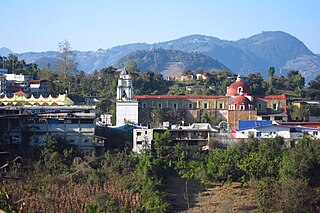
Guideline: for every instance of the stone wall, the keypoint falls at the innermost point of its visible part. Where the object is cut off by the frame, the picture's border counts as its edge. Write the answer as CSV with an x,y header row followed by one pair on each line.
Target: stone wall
x,y
235,115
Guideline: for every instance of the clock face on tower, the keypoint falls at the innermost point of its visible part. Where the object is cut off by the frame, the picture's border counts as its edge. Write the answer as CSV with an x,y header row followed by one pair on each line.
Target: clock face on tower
x,y
125,83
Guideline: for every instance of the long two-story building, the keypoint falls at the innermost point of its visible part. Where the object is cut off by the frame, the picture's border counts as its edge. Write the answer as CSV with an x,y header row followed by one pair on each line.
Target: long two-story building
x,y
30,120
237,104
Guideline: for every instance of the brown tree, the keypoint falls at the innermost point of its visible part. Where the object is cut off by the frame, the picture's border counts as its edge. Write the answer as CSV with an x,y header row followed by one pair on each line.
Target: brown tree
x,y
66,64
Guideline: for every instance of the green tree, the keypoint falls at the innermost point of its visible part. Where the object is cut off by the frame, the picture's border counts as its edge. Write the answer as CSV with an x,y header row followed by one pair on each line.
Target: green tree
x,y
302,161
162,143
290,195
255,80
151,83
299,81
131,66
58,153
11,63
271,72
46,74
313,90
295,81
222,165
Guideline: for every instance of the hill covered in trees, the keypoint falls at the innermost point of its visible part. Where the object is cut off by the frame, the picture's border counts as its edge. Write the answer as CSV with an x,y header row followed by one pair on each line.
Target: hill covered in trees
x,y
254,54
170,62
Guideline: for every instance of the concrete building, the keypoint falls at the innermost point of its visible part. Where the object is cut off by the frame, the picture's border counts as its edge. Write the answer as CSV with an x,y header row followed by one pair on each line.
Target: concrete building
x,y
273,130
11,83
75,124
16,82
30,120
196,136
37,87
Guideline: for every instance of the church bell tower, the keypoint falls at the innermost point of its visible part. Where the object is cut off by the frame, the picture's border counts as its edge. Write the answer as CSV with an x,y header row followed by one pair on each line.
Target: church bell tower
x,y
126,106
125,88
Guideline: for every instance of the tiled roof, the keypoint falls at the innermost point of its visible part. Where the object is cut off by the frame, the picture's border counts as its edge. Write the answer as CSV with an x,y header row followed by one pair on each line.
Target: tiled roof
x,y
19,93
241,100
282,96
303,124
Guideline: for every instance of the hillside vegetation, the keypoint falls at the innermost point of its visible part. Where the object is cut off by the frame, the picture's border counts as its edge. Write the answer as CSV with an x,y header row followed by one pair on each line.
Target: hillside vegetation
x,y
161,59
253,176
254,54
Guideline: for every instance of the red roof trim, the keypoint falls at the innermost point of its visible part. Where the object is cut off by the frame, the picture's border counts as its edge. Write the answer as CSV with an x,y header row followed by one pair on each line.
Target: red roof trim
x,y
282,96
177,97
304,124
19,93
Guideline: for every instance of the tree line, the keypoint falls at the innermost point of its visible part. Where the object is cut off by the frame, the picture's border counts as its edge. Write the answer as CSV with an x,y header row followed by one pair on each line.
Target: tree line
x,y
102,83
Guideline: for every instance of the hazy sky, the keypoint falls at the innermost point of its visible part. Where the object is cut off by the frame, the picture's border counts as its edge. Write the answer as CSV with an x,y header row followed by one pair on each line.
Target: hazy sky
x,y
39,25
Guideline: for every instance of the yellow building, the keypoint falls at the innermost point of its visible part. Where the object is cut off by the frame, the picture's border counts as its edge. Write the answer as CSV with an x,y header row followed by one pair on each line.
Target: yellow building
x,y
19,99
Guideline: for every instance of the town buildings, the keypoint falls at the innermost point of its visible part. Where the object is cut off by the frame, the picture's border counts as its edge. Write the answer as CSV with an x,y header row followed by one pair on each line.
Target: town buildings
x,y
29,119
11,83
237,104
269,129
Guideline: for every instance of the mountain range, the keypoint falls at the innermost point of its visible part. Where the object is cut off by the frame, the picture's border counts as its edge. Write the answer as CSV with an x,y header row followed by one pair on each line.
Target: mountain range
x,y
170,62
254,54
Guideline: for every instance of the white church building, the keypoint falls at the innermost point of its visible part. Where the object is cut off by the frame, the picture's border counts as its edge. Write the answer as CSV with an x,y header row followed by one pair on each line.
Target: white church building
x,y
126,107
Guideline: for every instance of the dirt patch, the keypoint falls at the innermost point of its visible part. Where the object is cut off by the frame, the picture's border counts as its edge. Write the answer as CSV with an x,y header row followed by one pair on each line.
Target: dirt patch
x,y
176,188
228,198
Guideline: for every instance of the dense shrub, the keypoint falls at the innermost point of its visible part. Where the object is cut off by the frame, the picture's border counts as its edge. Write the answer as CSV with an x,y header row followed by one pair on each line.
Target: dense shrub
x,y
289,195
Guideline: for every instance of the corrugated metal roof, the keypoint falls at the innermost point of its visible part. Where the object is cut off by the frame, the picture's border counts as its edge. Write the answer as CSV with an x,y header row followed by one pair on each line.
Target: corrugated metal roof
x,y
247,124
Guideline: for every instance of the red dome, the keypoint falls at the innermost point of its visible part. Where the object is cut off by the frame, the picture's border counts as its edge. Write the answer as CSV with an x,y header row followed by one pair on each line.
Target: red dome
x,y
240,103
238,87
241,100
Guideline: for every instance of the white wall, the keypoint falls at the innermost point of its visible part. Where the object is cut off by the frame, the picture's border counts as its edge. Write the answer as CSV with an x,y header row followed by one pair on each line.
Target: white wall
x,y
126,112
142,139
266,132
17,77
